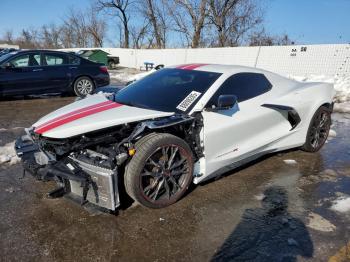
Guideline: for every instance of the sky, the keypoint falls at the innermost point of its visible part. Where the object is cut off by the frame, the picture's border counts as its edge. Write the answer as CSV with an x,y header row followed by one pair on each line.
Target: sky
x,y
305,21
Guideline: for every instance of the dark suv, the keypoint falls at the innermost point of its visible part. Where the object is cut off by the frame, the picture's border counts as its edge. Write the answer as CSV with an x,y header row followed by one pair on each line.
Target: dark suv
x,y
42,72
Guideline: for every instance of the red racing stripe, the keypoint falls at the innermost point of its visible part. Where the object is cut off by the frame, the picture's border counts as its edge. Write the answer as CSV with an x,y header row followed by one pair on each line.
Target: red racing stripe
x,y
181,66
194,66
76,116
190,66
75,112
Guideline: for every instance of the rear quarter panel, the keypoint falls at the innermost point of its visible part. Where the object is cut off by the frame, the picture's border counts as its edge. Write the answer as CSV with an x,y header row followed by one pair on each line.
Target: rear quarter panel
x,y
305,98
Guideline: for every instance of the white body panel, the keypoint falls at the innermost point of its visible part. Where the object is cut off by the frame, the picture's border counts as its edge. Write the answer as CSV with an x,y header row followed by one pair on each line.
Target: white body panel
x,y
104,119
228,136
249,129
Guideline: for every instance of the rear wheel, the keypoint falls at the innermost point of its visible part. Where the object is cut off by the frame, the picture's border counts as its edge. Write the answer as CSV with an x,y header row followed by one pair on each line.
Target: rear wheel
x,y
160,172
83,86
318,130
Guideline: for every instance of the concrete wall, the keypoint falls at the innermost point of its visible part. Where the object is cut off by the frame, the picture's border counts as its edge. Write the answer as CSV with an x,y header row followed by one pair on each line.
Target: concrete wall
x,y
300,60
9,46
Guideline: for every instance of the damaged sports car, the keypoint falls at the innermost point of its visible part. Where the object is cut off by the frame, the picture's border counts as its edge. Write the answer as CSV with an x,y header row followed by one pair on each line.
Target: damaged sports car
x,y
180,125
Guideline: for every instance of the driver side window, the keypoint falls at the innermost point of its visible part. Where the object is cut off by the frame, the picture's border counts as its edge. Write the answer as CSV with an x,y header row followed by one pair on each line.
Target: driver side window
x,y
20,61
27,60
243,85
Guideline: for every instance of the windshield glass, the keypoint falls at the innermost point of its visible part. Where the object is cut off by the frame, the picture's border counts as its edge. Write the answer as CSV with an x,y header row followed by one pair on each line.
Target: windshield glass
x,y
169,90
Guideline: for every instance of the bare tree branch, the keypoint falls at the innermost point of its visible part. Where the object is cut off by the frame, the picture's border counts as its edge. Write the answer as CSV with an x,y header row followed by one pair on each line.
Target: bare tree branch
x,y
122,8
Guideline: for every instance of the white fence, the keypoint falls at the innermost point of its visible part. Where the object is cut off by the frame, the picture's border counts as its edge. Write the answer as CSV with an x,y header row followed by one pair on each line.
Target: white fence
x,y
329,60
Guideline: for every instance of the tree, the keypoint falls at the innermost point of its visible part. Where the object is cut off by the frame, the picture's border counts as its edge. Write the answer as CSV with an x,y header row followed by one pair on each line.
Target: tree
x,y
8,37
189,17
122,8
155,12
50,36
97,28
233,19
139,34
261,38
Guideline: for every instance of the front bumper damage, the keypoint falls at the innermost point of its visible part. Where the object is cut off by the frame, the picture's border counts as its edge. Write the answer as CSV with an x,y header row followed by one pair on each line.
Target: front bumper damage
x,y
74,178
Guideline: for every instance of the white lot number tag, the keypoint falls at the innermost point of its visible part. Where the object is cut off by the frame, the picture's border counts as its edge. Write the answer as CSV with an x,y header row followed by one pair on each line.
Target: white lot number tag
x,y
188,101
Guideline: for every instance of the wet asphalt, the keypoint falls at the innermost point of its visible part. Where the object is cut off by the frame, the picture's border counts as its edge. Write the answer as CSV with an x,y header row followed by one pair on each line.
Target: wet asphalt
x,y
269,210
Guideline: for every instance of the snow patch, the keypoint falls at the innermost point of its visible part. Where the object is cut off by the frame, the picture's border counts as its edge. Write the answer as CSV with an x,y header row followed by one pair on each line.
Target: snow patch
x,y
332,133
259,197
290,161
341,86
319,223
10,129
8,154
125,76
120,77
342,107
342,204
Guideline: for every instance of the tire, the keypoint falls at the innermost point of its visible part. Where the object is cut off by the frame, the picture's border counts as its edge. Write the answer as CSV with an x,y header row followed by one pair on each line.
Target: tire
x,y
318,130
111,64
83,86
160,172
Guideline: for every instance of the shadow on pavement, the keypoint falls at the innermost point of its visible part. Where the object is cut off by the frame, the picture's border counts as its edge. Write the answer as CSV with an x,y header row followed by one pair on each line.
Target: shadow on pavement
x,y
269,233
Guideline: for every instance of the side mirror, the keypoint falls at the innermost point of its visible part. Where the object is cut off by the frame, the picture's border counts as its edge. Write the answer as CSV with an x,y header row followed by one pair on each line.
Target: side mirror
x,y
226,102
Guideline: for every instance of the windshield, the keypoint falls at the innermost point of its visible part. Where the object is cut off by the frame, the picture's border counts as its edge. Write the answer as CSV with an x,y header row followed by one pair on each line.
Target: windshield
x,y
168,90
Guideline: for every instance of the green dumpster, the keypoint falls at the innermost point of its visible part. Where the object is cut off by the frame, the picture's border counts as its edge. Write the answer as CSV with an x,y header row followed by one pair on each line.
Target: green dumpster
x,y
100,56
95,55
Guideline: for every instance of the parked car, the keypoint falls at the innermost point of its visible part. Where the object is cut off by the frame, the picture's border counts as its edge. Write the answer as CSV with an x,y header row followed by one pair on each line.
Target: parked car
x,y
43,72
176,126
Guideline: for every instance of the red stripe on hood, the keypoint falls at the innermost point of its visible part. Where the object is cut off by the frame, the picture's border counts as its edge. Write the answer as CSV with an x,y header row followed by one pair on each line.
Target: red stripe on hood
x,y
75,112
190,66
72,117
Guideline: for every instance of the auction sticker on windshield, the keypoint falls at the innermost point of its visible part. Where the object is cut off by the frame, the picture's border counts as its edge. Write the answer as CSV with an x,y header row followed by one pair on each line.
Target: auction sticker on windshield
x,y
188,101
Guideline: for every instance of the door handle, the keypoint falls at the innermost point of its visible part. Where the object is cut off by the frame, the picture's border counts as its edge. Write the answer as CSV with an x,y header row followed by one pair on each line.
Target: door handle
x,y
37,70
73,67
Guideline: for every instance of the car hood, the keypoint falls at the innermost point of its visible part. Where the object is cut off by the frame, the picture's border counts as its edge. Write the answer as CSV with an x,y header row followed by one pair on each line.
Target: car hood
x,y
92,113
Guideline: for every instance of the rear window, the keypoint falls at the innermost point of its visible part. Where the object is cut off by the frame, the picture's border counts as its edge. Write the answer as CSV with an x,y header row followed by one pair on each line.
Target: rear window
x,y
74,60
55,59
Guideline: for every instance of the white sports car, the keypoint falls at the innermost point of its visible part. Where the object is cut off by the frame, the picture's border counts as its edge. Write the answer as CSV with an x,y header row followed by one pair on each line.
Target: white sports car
x,y
180,125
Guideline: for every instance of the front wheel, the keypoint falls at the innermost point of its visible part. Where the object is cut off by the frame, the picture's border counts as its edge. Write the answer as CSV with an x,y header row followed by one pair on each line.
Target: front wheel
x,y
160,172
318,130
83,86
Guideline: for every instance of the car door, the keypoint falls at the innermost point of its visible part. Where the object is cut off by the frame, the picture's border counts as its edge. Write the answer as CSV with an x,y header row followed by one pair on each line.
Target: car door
x,y
237,133
57,72
24,76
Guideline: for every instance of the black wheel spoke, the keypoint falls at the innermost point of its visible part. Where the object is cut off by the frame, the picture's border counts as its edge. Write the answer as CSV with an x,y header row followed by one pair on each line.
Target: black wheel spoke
x,y
162,176
167,189
178,172
152,162
154,195
172,156
177,164
173,180
165,152
147,173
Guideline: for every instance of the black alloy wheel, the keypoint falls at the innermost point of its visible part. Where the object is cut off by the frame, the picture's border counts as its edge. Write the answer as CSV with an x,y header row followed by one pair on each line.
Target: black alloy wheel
x,y
318,130
160,172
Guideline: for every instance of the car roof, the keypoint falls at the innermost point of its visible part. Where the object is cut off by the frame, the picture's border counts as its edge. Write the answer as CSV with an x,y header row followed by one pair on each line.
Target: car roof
x,y
23,51
219,68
